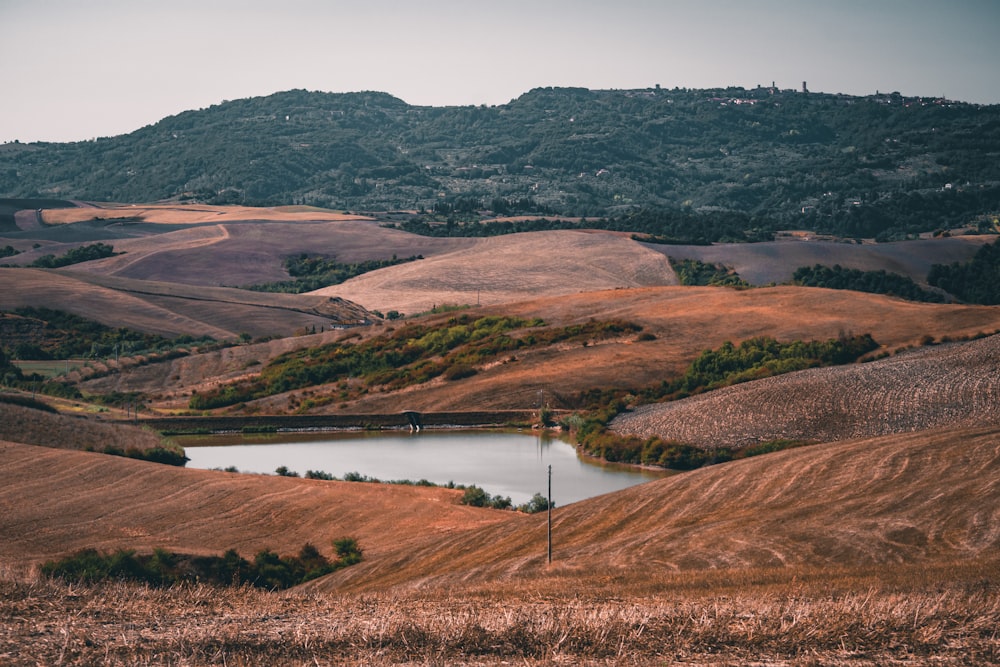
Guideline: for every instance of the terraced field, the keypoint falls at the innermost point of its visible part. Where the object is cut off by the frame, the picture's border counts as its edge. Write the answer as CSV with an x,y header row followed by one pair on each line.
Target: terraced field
x,y
956,386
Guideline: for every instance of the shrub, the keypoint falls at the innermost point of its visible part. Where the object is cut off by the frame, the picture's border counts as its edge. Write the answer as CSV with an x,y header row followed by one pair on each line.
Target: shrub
x,y
477,497
538,503
459,371
163,568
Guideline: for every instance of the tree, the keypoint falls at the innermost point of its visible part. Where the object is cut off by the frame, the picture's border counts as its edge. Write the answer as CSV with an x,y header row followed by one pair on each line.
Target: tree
x,y
538,503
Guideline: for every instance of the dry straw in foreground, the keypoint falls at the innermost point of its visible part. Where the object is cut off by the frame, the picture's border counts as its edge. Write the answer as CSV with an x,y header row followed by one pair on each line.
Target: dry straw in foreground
x,y
848,619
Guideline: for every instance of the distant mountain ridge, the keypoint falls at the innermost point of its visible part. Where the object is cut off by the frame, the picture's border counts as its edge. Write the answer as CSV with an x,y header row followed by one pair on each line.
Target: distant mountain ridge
x,y
858,166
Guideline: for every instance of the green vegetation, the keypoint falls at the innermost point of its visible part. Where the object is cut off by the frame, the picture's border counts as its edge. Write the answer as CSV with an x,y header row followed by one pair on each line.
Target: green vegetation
x,y
85,253
167,455
975,281
678,165
312,273
693,272
12,376
412,355
729,364
472,495
24,401
661,226
8,251
476,497
55,334
762,357
163,568
875,282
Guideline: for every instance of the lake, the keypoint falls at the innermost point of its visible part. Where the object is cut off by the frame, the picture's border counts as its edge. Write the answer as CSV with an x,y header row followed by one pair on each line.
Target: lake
x,y
505,463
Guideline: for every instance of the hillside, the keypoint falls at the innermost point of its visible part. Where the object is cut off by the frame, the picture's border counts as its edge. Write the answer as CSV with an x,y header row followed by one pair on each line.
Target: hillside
x,y
901,499
508,269
173,309
682,321
913,498
955,385
881,165
58,501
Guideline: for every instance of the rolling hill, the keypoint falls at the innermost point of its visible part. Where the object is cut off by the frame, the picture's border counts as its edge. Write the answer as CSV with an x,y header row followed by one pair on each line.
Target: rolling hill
x,y
879,165
956,385
823,548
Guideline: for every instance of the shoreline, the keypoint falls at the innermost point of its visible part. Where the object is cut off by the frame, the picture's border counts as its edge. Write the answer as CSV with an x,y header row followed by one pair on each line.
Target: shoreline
x,y
190,425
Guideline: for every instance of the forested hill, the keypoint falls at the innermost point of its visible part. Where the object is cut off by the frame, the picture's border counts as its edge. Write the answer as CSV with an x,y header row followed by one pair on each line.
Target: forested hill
x,y
859,165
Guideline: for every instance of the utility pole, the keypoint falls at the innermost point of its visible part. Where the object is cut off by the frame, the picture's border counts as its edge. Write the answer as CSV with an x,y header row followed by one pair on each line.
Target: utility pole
x,y
550,514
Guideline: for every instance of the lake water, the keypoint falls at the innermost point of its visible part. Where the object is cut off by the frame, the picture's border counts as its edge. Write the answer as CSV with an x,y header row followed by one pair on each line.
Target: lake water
x,y
509,464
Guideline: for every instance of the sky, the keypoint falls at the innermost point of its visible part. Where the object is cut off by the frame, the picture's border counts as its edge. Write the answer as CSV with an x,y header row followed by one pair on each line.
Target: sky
x,y
74,70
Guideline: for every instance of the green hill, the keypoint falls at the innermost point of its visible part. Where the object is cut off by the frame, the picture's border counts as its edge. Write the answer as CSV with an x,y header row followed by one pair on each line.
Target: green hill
x,y
876,166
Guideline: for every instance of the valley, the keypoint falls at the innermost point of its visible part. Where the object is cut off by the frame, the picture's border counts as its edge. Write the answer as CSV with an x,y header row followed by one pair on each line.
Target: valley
x,y
820,549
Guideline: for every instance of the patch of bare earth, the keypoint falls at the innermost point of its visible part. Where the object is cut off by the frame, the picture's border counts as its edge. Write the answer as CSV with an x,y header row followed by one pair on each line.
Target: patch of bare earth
x,y
253,252
187,214
954,385
172,309
511,268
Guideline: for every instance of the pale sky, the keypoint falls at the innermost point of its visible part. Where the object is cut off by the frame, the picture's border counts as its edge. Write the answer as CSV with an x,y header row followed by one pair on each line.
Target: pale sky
x,y
73,69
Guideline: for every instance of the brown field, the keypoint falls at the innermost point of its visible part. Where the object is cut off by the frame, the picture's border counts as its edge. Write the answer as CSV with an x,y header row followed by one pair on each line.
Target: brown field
x,y
957,386
776,261
878,547
867,552
508,269
684,321
187,214
35,427
171,309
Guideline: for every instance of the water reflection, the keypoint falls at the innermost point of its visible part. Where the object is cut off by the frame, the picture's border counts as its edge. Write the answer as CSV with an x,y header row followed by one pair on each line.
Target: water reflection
x,y
503,463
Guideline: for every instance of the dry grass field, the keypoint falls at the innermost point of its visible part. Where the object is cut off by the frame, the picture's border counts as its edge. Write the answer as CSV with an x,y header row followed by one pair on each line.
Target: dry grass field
x,y
684,321
171,309
187,214
877,547
36,427
956,386
512,268
776,261
870,552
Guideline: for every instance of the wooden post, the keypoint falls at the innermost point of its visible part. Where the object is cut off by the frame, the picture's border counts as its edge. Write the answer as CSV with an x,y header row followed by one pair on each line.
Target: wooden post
x,y
550,514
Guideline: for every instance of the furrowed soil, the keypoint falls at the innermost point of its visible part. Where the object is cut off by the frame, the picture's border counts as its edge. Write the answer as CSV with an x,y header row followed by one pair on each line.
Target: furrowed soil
x,y
955,385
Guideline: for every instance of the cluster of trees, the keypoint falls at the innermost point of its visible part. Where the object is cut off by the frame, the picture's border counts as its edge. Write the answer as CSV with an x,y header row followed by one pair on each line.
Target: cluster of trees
x,y
62,335
165,455
764,356
162,568
875,282
84,253
695,272
874,166
648,225
477,497
411,355
312,272
472,495
975,281
12,376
